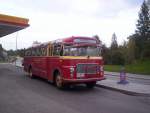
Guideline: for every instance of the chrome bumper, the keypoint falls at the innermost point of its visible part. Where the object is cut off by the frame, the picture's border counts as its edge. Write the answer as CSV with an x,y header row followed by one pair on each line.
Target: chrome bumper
x,y
82,80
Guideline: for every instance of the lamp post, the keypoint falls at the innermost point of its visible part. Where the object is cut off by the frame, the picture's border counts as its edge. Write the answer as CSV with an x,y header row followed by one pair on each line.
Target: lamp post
x,y
16,47
16,40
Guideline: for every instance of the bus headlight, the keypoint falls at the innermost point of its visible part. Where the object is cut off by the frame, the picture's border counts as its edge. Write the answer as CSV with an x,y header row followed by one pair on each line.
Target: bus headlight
x,y
101,68
71,72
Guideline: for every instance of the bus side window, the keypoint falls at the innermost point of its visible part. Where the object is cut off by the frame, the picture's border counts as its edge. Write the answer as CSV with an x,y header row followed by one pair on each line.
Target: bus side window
x,y
28,52
61,50
49,50
43,50
34,52
56,50
52,50
38,51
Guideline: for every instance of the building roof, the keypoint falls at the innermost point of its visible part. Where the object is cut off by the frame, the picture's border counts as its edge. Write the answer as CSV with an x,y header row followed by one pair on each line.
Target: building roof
x,y
11,24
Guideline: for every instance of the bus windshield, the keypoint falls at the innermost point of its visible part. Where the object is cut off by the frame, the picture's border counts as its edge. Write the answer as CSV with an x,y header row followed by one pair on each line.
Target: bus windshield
x,y
82,51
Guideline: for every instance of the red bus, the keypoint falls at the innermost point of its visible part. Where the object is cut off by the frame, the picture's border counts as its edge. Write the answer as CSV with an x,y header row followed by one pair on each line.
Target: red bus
x,y
73,60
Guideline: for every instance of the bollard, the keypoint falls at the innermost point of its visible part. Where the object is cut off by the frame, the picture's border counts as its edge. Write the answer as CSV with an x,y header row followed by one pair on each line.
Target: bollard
x,y
123,79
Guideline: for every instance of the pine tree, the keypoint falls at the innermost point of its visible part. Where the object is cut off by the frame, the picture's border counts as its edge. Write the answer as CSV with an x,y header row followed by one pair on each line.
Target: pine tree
x,y
142,38
143,25
114,44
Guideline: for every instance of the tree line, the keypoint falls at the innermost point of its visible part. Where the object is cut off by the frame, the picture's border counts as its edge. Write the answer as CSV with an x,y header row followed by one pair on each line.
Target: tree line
x,y
138,45
136,48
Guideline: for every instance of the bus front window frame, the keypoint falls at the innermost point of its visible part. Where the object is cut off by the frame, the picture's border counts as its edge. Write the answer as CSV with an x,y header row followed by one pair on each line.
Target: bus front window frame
x,y
81,50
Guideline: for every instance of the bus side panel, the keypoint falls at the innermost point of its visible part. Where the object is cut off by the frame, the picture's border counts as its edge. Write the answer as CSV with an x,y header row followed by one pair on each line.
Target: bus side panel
x,y
40,66
54,63
27,63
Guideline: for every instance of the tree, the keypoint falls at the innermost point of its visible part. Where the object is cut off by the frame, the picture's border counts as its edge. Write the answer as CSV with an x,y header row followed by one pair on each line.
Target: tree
x,y
142,36
114,55
113,49
106,54
114,44
131,51
124,51
98,39
143,25
1,51
117,58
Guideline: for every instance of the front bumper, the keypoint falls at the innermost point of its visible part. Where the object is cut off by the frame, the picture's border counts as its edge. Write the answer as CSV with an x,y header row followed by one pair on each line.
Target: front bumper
x,y
83,80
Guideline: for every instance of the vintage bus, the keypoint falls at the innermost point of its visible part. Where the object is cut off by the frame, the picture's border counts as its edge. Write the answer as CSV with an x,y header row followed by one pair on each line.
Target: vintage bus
x,y
73,60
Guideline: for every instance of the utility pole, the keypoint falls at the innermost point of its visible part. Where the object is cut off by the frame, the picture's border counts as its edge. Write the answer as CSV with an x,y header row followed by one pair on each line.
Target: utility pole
x,y
16,47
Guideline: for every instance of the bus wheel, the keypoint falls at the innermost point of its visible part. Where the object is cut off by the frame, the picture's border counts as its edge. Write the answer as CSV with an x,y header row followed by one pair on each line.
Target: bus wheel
x,y
30,73
58,81
90,85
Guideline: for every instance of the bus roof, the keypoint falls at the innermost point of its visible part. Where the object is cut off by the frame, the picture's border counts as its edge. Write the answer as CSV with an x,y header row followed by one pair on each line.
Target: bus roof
x,y
69,40
80,39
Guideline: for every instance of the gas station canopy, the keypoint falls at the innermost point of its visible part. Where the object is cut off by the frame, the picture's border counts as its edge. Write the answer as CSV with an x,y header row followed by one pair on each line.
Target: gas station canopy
x,y
11,24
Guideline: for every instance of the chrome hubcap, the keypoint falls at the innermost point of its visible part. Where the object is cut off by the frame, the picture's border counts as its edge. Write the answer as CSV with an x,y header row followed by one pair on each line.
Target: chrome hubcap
x,y
59,81
30,73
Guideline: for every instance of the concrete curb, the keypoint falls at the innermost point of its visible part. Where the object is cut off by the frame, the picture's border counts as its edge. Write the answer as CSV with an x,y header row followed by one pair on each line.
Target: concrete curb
x,y
123,91
129,76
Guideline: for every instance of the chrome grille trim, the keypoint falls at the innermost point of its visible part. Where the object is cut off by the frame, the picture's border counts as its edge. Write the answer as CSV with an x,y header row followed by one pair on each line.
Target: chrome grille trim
x,y
88,68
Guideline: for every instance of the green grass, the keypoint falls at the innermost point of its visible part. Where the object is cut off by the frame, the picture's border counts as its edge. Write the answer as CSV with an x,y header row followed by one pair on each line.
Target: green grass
x,y
140,67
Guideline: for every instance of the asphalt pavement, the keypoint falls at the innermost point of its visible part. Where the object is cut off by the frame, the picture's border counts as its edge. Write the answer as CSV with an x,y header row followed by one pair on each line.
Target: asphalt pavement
x,y
138,85
20,94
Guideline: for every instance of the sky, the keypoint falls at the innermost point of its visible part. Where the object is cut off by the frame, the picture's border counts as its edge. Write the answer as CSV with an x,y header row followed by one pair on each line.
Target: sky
x,y
56,19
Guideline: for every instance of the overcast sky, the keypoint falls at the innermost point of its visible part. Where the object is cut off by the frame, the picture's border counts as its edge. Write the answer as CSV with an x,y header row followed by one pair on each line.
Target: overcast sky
x,y
55,19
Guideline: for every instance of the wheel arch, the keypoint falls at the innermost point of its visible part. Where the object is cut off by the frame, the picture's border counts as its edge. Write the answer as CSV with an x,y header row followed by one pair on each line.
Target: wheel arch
x,y
55,72
29,67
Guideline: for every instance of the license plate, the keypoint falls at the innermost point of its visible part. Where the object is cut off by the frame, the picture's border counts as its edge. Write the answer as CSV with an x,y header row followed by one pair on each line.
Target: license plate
x,y
80,75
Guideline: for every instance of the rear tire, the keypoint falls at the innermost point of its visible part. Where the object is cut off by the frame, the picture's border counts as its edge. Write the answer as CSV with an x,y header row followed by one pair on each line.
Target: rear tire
x,y
30,73
90,85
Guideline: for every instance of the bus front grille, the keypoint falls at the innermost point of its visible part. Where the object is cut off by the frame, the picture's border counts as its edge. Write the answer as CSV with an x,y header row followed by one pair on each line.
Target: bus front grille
x,y
88,68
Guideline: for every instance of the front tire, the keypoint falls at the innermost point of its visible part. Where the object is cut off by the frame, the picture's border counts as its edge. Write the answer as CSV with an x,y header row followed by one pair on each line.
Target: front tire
x,y
58,81
90,85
